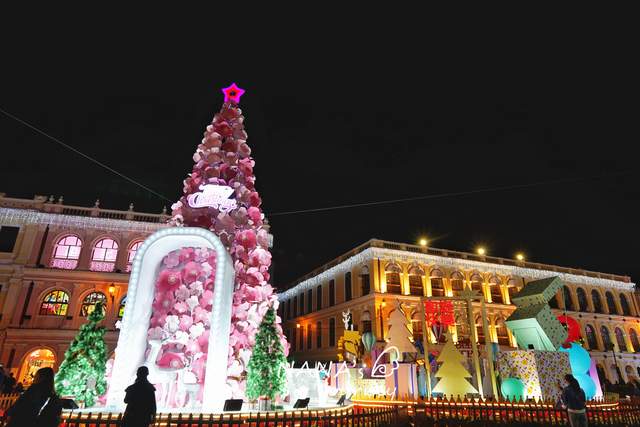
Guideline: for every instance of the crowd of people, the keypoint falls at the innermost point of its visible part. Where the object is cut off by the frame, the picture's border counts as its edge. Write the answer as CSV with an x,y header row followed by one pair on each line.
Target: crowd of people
x,y
8,383
40,406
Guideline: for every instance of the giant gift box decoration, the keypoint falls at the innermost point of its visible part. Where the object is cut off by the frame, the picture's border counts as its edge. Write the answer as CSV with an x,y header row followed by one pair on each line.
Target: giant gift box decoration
x,y
540,371
533,323
403,381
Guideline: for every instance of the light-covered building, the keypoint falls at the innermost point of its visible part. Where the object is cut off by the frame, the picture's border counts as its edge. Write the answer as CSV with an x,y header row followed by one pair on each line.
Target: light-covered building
x,y
370,278
56,262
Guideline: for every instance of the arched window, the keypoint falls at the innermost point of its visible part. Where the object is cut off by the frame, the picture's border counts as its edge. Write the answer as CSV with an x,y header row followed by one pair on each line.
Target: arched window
x,y
591,337
568,301
416,275
611,303
496,290
501,332
437,285
480,330
123,302
476,283
365,281
606,338
582,300
66,253
457,282
416,324
626,310
133,248
90,301
622,343
392,273
512,288
104,255
633,336
55,303
597,302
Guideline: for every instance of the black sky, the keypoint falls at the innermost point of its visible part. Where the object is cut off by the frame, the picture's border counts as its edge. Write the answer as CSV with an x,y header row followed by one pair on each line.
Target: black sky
x,y
340,115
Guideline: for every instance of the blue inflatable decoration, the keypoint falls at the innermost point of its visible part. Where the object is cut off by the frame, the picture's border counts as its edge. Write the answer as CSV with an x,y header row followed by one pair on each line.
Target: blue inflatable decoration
x,y
579,359
586,384
512,389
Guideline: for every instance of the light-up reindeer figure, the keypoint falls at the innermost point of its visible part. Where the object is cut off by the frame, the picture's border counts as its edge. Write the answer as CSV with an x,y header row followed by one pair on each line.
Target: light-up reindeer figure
x,y
169,378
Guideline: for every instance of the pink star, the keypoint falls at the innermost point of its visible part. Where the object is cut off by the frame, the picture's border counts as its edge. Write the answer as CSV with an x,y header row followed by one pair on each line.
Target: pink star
x,y
232,93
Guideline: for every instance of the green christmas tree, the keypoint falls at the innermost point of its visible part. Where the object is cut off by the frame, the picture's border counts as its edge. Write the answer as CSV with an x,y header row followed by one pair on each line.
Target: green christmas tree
x,y
452,373
82,373
266,371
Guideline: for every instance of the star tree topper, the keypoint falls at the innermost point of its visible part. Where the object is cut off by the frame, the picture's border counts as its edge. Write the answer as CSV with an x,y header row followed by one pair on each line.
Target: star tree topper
x,y
232,93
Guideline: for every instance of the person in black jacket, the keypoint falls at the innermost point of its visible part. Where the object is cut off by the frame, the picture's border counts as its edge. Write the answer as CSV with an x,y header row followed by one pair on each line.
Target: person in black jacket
x,y
575,401
39,406
140,400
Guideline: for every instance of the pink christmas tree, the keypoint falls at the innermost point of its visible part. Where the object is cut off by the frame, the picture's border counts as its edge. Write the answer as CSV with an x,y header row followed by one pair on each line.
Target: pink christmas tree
x,y
220,195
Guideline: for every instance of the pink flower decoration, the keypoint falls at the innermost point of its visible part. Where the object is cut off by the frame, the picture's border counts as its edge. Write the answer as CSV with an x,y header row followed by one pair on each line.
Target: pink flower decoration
x,y
172,260
260,257
182,293
171,360
187,254
180,307
246,166
193,347
158,319
203,340
185,322
247,238
263,238
163,302
191,271
201,315
169,280
196,288
206,299
254,199
255,214
156,333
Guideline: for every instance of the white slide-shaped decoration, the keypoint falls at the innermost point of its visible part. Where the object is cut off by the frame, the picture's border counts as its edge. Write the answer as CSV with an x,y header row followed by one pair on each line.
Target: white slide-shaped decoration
x,y
133,340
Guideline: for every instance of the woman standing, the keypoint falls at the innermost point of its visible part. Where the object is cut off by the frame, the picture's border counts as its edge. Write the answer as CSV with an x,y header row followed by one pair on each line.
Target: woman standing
x,y
38,406
574,400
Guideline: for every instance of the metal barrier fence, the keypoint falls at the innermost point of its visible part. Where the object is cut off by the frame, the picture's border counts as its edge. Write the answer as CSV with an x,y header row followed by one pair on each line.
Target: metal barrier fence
x,y
351,416
488,413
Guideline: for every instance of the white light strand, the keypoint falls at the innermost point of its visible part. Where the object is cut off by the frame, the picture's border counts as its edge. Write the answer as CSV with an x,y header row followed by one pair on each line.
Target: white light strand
x,y
17,217
435,260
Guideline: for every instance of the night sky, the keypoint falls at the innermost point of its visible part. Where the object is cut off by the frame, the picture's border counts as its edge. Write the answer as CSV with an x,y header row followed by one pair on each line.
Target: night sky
x,y
348,117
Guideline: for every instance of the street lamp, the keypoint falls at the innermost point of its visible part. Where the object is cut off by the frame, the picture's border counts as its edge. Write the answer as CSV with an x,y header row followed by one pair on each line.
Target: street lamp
x,y
481,250
520,256
423,242
112,292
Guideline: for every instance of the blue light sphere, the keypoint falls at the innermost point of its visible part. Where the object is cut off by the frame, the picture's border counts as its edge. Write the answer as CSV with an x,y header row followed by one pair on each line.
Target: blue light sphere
x,y
512,389
579,359
586,384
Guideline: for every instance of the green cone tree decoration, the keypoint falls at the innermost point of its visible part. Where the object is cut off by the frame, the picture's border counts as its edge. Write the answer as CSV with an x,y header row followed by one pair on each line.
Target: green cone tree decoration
x,y
266,371
82,373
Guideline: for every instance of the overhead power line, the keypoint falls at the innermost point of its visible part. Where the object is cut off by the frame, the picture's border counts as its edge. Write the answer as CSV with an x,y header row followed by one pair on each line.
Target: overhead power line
x,y
336,207
86,156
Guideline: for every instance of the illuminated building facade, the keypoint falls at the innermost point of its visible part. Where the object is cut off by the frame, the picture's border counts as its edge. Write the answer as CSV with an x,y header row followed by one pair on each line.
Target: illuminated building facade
x,y
56,262
370,278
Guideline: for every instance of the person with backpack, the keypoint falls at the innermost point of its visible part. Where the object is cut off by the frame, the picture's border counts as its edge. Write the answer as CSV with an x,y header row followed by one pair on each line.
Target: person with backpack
x,y
39,406
575,401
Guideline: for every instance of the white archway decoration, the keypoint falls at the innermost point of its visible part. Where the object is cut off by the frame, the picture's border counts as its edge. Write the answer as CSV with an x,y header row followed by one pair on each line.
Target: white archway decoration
x,y
132,342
